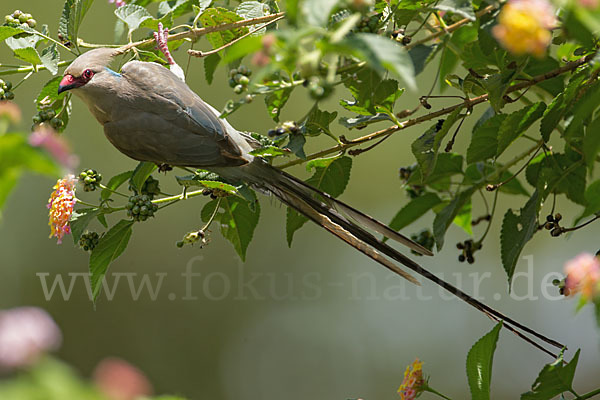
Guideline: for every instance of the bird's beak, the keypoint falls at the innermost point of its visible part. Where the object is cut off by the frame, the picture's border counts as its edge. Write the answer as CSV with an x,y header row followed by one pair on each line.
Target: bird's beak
x,y
68,82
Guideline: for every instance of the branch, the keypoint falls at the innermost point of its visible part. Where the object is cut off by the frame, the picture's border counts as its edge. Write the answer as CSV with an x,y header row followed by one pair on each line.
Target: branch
x,y
194,33
415,121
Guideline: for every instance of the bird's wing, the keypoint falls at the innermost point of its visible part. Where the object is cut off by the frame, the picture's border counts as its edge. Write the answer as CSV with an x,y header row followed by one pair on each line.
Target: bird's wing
x,y
159,91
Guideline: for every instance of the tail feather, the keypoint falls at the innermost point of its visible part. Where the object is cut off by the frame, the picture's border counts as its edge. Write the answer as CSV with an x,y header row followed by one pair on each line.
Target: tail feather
x,y
305,200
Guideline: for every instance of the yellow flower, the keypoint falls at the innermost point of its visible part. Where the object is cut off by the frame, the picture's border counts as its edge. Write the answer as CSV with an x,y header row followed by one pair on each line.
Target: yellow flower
x,y
61,205
524,26
413,383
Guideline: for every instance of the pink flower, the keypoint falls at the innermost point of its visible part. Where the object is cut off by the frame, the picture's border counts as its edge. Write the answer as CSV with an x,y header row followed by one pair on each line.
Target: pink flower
x,y
61,205
118,3
119,380
54,144
11,111
583,275
25,334
590,4
263,57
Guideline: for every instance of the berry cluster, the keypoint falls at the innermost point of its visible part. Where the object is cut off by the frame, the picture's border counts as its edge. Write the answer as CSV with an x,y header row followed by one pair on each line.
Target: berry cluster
x,y
88,241
425,239
318,89
468,249
140,207
239,78
369,24
50,117
5,90
286,127
553,225
90,179
151,187
561,285
20,19
193,237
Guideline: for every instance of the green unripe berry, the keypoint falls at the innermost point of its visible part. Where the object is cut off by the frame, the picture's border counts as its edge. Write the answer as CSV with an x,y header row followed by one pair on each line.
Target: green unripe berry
x,y
237,77
56,123
17,13
23,18
36,118
244,81
51,114
144,210
135,210
1,92
9,95
29,16
238,89
8,19
242,70
231,82
8,85
88,180
233,73
129,206
31,23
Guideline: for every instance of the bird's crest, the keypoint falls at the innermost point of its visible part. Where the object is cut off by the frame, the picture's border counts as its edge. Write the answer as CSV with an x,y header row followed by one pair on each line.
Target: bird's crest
x,y
96,60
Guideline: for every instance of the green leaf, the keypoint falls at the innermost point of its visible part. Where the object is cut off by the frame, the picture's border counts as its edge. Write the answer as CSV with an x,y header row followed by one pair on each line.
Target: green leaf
x,y
253,9
444,218
50,58
414,210
517,230
419,55
317,12
80,220
210,66
296,145
479,364
318,122
248,45
331,175
558,173
114,183
463,8
383,55
24,48
15,152
9,31
73,13
270,151
220,16
140,174
371,93
175,7
133,15
517,123
591,143
447,165
362,121
496,86
49,93
196,180
484,143
276,100
592,200
236,219
487,173
583,109
553,379
109,248
8,180
426,147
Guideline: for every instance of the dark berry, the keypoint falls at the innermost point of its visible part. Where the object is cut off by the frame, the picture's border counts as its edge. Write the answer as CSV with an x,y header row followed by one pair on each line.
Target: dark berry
x,y
461,258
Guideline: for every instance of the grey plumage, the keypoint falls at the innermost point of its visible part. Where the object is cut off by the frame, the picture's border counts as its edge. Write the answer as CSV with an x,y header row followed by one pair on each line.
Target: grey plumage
x,y
151,115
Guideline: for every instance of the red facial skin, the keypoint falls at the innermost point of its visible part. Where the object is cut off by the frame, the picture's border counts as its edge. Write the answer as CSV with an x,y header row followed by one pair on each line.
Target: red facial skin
x,y
69,82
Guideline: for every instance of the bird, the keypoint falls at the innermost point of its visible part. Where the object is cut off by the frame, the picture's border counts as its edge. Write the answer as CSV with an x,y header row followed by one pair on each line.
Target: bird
x,y
150,114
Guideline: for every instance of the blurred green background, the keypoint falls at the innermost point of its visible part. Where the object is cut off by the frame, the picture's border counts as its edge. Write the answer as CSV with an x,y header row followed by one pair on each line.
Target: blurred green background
x,y
318,320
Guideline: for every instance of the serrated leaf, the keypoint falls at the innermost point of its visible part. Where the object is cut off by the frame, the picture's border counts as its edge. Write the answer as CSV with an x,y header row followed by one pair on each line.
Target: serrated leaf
x,y
447,165
195,180
253,9
486,173
591,143
558,173
210,66
9,31
414,210
371,93
270,151
583,109
114,183
109,248
24,48
496,85
140,174
174,7
133,15
318,122
80,219
219,16
296,145
383,55
49,93
479,364
484,142
553,379
426,147
560,106
419,56
276,100
446,216
516,124
73,13
592,200
517,230
236,219
331,175
50,58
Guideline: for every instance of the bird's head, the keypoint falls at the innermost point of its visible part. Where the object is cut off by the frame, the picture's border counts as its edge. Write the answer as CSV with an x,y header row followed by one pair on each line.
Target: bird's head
x,y
85,67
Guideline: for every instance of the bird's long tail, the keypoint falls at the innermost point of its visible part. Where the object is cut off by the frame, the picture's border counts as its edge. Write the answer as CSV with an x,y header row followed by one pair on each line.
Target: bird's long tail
x,y
349,224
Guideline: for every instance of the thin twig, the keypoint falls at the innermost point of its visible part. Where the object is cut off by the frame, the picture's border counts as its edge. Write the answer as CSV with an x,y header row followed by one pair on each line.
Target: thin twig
x,y
199,53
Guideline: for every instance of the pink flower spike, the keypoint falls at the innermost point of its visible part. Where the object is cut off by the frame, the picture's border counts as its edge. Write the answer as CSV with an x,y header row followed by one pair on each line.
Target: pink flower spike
x,y
61,204
54,144
119,380
25,334
583,275
118,3
161,41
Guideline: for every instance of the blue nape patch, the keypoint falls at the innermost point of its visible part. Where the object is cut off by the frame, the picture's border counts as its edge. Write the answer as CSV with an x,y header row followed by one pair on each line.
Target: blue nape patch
x,y
110,71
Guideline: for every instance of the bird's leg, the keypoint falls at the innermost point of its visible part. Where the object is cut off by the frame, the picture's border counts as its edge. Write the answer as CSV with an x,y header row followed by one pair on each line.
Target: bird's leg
x,y
161,41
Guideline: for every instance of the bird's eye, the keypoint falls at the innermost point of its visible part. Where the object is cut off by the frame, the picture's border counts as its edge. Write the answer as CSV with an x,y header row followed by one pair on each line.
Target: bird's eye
x,y
87,74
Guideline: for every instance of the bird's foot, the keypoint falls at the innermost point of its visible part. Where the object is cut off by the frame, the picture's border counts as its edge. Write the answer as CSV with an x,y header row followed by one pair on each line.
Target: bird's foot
x,y
161,41
164,167
184,195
